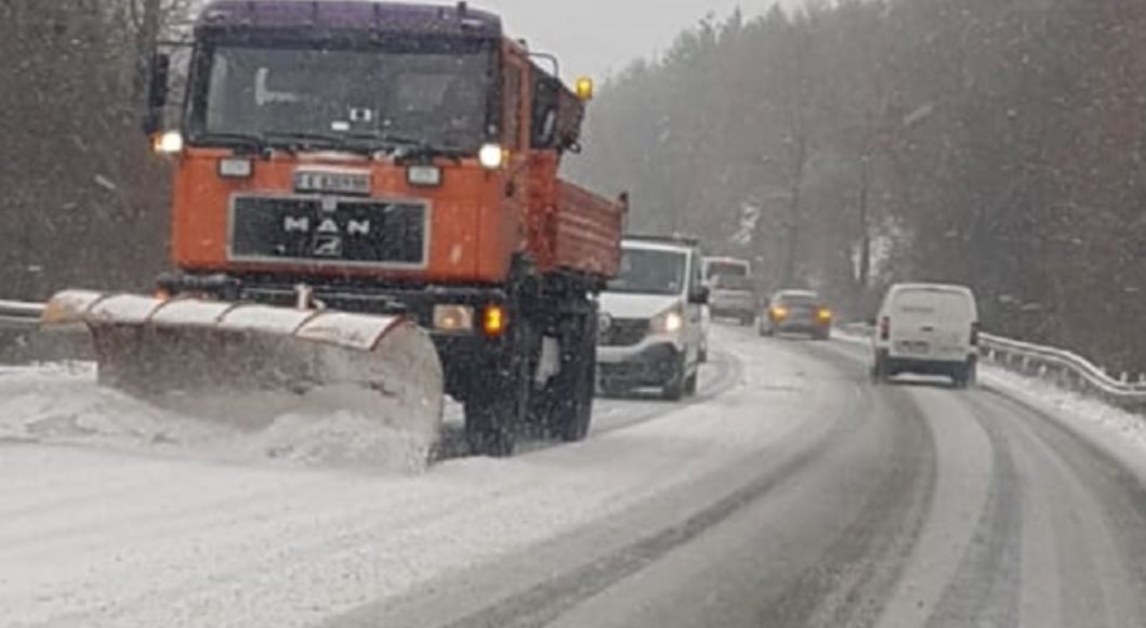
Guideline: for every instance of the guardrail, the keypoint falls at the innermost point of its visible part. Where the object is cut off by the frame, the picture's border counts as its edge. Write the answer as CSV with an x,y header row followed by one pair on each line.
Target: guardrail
x,y
1063,368
20,314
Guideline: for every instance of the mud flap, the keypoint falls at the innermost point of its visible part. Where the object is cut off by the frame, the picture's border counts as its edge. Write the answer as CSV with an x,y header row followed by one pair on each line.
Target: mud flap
x,y
188,352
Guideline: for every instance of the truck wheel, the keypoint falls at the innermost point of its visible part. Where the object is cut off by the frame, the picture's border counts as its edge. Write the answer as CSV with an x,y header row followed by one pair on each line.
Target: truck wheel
x,y
572,390
499,404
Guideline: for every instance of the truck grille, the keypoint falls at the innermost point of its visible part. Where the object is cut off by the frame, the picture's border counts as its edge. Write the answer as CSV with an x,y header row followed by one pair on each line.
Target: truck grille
x,y
623,332
327,230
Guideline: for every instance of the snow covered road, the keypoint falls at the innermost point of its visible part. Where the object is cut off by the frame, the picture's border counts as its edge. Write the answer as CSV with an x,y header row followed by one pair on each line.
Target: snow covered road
x,y
791,494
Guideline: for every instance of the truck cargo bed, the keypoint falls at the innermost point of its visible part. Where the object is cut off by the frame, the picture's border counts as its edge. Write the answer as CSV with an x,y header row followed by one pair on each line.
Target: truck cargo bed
x,y
588,229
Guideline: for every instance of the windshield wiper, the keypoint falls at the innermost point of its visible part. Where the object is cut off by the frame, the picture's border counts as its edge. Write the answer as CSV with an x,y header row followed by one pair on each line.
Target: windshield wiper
x,y
254,141
305,139
401,146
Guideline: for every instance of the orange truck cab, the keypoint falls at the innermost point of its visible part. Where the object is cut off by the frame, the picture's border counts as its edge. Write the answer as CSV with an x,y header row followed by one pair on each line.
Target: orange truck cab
x,y
378,157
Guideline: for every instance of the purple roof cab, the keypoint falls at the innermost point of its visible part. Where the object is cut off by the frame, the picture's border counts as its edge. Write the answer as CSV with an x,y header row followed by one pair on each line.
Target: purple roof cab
x,y
359,15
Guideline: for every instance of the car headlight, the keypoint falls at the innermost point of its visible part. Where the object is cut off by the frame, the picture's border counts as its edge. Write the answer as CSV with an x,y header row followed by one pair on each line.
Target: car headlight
x,y
668,322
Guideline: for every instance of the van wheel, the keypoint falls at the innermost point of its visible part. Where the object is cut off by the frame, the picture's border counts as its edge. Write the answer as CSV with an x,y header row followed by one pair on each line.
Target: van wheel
x,y
965,376
879,371
691,384
674,390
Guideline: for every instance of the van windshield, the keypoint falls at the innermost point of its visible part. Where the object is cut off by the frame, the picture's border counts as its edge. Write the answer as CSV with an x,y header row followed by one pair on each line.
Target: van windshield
x,y
726,269
733,282
650,272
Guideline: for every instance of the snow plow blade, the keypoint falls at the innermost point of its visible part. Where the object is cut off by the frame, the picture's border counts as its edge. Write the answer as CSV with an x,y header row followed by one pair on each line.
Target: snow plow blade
x,y
190,353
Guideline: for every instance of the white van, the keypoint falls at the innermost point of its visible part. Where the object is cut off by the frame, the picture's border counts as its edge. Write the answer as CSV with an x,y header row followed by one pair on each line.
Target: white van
x,y
650,331
927,329
726,267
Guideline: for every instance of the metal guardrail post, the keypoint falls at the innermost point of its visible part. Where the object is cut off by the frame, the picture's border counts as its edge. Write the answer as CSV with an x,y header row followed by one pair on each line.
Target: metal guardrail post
x,y
20,315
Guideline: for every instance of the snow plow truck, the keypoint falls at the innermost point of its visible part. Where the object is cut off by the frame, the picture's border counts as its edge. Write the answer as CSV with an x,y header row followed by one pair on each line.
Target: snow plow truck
x,y
366,194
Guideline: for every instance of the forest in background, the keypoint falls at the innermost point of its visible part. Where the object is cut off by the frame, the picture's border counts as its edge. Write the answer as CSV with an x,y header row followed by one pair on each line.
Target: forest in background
x,y
991,142
996,143
82,199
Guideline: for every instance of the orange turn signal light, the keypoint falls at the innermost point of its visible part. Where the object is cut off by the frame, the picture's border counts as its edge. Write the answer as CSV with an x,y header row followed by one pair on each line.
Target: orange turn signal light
x,y
494,321
824,314
779,313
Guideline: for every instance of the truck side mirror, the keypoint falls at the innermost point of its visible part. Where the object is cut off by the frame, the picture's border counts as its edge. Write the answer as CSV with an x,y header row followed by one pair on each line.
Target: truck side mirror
x,y
157,93
699,295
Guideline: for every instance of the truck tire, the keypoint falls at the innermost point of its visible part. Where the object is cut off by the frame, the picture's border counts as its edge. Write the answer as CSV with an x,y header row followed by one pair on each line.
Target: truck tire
x,y
495,409
571,391
499,403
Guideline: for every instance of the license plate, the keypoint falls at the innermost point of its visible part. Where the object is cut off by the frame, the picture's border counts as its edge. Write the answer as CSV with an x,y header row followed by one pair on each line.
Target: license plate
x,y
915,347
317,181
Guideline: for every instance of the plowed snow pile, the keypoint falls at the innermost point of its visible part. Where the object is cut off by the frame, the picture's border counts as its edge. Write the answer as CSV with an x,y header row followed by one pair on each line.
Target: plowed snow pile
x,y
62,404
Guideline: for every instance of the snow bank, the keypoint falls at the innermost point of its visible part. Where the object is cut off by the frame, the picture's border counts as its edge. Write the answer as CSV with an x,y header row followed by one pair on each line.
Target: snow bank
x,y
91,538
62,404
1129,427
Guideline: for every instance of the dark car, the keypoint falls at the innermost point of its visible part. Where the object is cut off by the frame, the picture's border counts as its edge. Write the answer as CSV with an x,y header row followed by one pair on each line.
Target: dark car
x,y
797,312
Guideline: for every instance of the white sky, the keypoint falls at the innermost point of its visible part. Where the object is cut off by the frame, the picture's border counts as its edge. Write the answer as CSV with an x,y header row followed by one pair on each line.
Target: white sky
x,y
595,37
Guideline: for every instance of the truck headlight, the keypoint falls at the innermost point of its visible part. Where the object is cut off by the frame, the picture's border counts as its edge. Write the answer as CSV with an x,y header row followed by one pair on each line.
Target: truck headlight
x,y
453,318
668,322
168,143
491,156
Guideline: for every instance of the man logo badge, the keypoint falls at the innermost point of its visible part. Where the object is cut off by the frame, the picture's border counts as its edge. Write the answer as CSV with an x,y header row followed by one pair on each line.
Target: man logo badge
x,y
327,246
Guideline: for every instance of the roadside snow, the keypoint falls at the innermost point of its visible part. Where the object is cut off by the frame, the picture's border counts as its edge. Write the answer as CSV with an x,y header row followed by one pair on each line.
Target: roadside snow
x,y
1130,427
92,537
62,404
1127,426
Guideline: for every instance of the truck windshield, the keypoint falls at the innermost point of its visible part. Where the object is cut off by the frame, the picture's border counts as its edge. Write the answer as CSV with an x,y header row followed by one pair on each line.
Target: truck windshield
x,y
435,97
650,272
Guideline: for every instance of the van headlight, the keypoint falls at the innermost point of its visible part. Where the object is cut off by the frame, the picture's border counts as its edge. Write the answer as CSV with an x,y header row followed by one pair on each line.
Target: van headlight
x,y
668,322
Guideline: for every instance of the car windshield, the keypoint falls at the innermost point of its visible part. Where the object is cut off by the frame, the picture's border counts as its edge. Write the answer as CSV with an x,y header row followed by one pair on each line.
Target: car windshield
x,y
647,271
798,300
726,269
438,98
